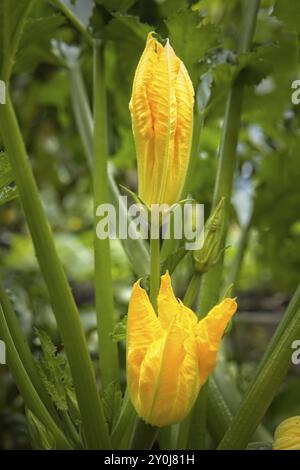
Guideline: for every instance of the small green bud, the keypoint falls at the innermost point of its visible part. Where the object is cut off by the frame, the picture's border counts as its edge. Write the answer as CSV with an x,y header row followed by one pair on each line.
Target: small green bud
x,y
212,249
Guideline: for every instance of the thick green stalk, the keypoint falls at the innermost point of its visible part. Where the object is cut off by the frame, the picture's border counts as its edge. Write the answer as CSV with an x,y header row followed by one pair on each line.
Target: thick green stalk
x,y
168,437
82,112
197,431
136,250
143,436
192,290
108,349
123,428
24,352
211,281
197,130
289,314
219,415
239,256
62,301
263,388
26,388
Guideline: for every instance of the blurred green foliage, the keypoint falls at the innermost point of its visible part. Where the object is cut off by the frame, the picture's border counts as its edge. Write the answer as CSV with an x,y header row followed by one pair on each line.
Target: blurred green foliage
x,y
267,175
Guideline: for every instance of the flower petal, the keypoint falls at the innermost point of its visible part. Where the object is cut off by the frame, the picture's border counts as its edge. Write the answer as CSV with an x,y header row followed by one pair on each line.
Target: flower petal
x,y
174,374
209,332
142,330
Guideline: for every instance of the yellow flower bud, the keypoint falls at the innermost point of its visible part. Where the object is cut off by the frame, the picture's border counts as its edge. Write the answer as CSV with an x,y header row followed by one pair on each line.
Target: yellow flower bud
x,y
287,435
170,356
161,109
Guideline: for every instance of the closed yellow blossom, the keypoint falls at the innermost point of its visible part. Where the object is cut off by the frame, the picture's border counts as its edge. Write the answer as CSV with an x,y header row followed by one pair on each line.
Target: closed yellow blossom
x,y
161,109
287,435
170,356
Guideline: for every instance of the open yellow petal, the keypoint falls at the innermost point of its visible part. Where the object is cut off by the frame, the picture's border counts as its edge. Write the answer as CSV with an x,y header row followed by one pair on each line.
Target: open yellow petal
x,y
209,332
172,368
287,434
169,306
143,329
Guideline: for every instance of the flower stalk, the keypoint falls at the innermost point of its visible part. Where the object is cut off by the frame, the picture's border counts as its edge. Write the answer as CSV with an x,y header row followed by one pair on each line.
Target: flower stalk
x,y
108,352
264,385
62,301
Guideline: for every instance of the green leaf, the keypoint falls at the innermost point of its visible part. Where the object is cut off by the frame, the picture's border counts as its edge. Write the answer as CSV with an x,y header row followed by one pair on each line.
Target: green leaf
x,y
55,373
288,13
35,46
249,68
40,437
191,52
11,16
120,330
168,7
116,5
126,37
112,403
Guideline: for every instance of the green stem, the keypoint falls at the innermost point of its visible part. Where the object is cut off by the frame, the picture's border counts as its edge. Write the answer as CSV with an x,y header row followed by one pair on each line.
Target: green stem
x,y
197,430
108,349
219,415
168,437
123,425
82,112
25,353
62,301
239,256
144,436
27,390
198,125
264,386
154,270
136,250
293,306
192,290
72,431
211,281
74,20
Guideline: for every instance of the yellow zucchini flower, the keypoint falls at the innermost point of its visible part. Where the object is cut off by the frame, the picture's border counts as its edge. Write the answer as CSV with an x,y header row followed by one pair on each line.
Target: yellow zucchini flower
x,y
170,356
287,435
161,109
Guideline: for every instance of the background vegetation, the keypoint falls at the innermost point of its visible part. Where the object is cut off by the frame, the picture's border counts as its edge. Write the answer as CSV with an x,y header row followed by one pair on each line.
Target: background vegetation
x,y
263,260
